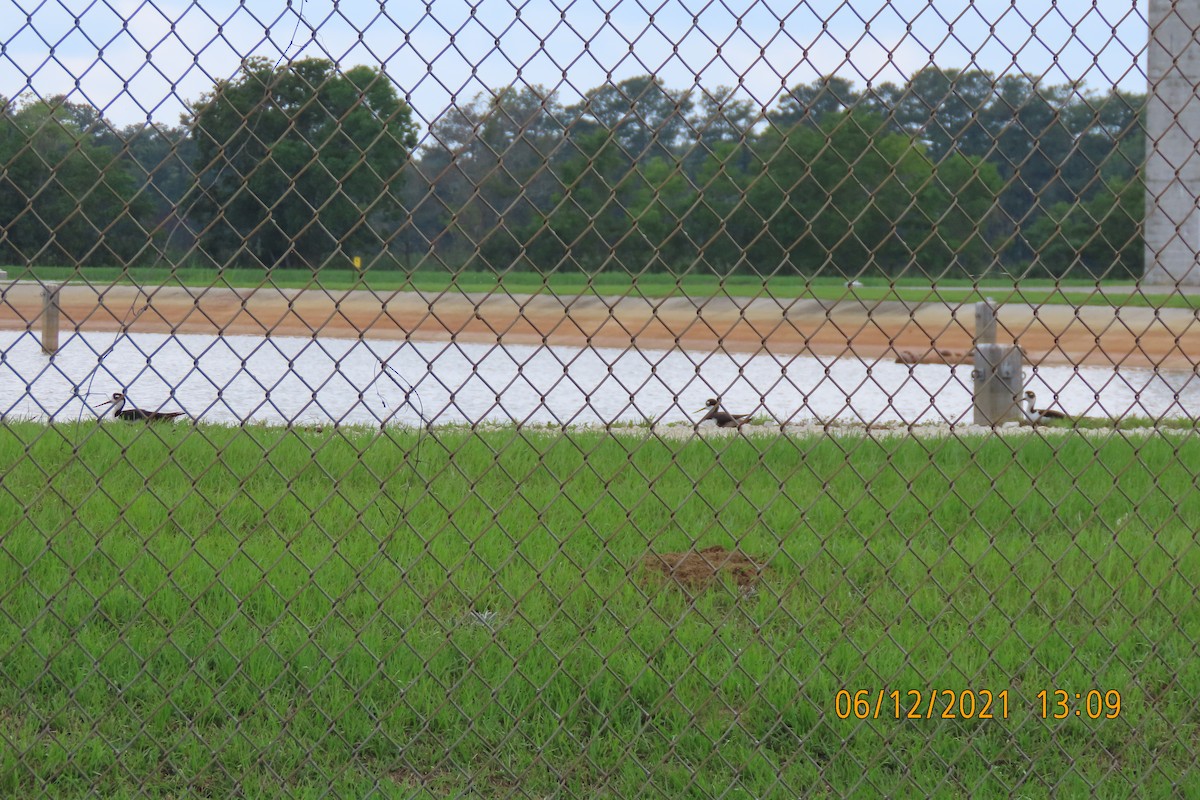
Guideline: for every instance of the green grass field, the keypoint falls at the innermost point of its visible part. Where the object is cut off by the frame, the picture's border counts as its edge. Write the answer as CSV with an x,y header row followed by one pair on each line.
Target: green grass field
x,y
204,611
908,290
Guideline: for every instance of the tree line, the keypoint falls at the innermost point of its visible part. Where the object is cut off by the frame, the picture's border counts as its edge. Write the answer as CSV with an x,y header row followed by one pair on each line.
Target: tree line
x,y
955,173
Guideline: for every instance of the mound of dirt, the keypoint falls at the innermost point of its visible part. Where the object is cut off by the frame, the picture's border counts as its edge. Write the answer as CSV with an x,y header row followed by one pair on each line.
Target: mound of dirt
x,y
698,569
950,357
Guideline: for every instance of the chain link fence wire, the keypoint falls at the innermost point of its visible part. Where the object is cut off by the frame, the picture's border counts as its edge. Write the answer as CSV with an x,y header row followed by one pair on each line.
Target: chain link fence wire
x,y
596,400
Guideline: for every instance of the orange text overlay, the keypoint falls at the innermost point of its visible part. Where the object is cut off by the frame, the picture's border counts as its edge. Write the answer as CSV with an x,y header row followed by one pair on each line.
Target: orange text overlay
x,y
969,704
921,704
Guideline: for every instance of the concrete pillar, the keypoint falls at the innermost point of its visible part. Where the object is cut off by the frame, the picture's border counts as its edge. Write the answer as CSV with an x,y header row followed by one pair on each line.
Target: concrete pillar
x,y
985,321
998,378
1172,227
50,318
999,382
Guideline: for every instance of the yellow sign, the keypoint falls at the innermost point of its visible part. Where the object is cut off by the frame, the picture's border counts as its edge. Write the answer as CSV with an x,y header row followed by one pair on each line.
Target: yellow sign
x,y
358,262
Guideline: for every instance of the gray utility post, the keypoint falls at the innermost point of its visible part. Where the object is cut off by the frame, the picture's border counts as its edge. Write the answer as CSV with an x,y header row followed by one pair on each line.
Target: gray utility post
x,y
50,318
997,375
1172,132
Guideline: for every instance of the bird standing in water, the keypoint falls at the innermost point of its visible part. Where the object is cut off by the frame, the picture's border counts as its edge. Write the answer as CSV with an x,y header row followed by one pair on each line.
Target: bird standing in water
x,y
134,414
723,418
1037,416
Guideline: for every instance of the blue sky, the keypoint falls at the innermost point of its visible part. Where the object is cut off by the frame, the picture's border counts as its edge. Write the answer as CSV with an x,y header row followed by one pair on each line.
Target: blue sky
x,y
140,59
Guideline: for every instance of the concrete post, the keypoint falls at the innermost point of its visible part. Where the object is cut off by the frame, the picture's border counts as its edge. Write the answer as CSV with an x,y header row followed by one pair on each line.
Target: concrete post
x,y
985,321
1172,228
999,382
997,376
50,318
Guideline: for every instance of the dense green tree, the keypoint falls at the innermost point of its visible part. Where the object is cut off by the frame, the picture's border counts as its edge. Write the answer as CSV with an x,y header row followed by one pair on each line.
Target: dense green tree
x,y
647,120
954,231
1031,146
65,196
720,116
850,197
722,223
299,162
946,109
160,159
1100,237
836,198
522,127
1108,140
439,190
949,175
614,215
807,104
418,237
587,220
660,204
489,161
882,99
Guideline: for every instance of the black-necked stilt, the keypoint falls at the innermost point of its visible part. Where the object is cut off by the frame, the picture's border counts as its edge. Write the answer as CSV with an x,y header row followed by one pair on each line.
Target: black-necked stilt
x,y
1037,416
131,413
723,418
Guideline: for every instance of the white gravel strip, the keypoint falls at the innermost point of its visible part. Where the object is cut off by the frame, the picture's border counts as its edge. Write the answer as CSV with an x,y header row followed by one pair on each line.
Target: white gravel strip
x,y
812,428
930,430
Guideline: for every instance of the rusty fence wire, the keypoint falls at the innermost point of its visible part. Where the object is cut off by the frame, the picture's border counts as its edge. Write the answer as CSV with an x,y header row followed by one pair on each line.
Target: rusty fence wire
x,y
496,399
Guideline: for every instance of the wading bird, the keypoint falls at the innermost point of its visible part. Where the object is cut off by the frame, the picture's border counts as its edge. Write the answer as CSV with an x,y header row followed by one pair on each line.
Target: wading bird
x,y
723,418
1037,416
134,414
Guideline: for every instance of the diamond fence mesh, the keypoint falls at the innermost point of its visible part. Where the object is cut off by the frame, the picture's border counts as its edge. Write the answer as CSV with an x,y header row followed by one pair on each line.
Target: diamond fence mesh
x,y
534,400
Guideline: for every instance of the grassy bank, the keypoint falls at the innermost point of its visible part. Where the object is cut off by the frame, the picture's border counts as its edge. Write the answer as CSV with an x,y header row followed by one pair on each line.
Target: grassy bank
x,y
215,612
908,290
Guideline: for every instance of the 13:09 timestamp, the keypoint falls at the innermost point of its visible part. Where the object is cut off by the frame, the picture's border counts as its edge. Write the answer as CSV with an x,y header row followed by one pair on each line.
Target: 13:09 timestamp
x,y
1060,704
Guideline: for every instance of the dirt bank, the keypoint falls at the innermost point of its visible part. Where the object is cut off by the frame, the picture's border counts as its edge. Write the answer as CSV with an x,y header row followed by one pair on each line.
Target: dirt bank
x,y
1143,337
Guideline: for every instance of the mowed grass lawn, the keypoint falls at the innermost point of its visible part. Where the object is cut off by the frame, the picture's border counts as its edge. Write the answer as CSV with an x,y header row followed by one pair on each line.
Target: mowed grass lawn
x,y
203,611
909,289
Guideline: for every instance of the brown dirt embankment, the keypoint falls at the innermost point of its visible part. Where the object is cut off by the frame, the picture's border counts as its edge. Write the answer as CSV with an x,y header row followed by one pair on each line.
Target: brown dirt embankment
x,y
1143,337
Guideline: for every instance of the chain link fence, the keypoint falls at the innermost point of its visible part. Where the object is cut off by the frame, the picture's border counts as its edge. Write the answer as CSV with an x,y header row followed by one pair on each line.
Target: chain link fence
x,y
535,400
